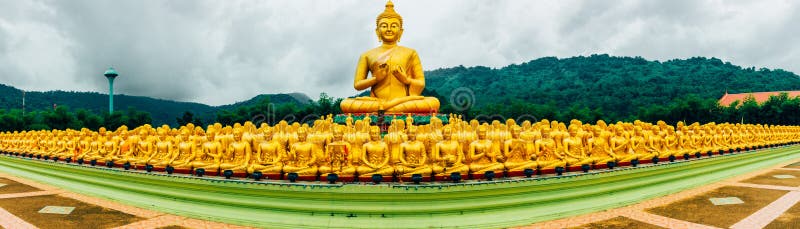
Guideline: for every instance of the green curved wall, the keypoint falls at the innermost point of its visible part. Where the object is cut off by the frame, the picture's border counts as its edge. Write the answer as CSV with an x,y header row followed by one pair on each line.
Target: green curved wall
x,y
499,204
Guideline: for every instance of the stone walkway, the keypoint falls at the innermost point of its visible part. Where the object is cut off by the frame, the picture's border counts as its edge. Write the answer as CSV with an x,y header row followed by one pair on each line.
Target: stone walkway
x,y
760,219
152,219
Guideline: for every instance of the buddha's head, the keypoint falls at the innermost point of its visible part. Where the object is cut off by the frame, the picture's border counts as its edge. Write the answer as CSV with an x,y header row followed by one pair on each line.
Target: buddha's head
x,y
301,134
526,125
162,134
446,133
184,134
510,123
389,25
515,130
412,133
482,132
237,133
338,133
375,133
545,132
211,134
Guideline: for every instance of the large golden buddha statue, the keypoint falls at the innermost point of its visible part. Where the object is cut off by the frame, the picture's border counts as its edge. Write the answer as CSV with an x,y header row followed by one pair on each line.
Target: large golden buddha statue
x,y
397,78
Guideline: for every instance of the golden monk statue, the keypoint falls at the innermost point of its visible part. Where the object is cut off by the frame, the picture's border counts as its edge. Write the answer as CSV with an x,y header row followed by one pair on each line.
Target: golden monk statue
x,y
303,159
337,152
237,155
269,157
519,154
413,158
376,156
449,155
397,79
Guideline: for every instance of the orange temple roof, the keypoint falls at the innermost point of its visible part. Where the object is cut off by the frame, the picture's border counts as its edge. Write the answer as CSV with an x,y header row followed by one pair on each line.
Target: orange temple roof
x,y
760,97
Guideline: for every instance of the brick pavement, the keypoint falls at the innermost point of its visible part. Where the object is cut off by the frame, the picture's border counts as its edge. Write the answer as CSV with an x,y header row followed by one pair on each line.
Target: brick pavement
x,y
153,219
637,212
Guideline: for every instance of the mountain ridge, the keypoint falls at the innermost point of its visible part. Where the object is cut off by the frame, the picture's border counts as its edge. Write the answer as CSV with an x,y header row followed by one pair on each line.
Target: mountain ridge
x,y
618,87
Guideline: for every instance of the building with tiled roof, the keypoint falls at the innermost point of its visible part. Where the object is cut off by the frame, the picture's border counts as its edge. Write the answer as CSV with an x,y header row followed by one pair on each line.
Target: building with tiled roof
x,y
760,97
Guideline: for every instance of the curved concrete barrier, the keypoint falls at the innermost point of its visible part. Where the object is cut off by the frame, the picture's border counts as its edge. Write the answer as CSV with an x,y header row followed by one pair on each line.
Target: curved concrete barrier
x,y
491,204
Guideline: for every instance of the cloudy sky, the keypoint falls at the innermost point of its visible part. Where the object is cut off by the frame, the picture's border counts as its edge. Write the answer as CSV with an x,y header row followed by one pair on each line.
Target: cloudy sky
x,y
220,52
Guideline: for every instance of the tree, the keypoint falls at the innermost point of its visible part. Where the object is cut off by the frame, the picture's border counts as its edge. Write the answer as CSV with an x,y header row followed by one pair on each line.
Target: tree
x,y
187,118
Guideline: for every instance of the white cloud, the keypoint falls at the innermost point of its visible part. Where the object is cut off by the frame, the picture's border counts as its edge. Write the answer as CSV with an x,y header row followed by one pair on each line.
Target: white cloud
x,y
219,52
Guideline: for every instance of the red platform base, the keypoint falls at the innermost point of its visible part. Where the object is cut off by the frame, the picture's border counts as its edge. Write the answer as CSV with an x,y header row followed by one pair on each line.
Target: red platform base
x,y
624,163
307,178
480,176
272,176
347,179
547,171
369,178
408,179
441,178
207,173
182,171
518,173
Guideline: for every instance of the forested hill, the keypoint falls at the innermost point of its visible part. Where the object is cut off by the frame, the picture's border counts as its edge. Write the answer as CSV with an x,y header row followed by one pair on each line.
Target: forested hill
x,y
162,111
616,86
587,88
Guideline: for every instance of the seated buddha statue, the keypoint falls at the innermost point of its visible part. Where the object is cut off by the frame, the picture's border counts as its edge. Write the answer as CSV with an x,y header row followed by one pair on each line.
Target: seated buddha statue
x,y
620,146
90,146
448,156
671,144
268,157
483,156
70,143
640,144
210,152
357,138
397,77
302,158
519,154
547,155
185,150
163,149
572,147
606,147
109,148
237,155
413,159
375,159
128,148
337,152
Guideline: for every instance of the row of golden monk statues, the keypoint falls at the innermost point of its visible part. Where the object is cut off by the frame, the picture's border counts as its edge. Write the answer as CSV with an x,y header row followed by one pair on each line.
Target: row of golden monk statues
x,y
358,149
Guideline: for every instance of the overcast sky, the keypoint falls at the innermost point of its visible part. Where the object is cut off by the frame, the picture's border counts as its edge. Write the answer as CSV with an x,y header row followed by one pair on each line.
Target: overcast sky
x,y
220,52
